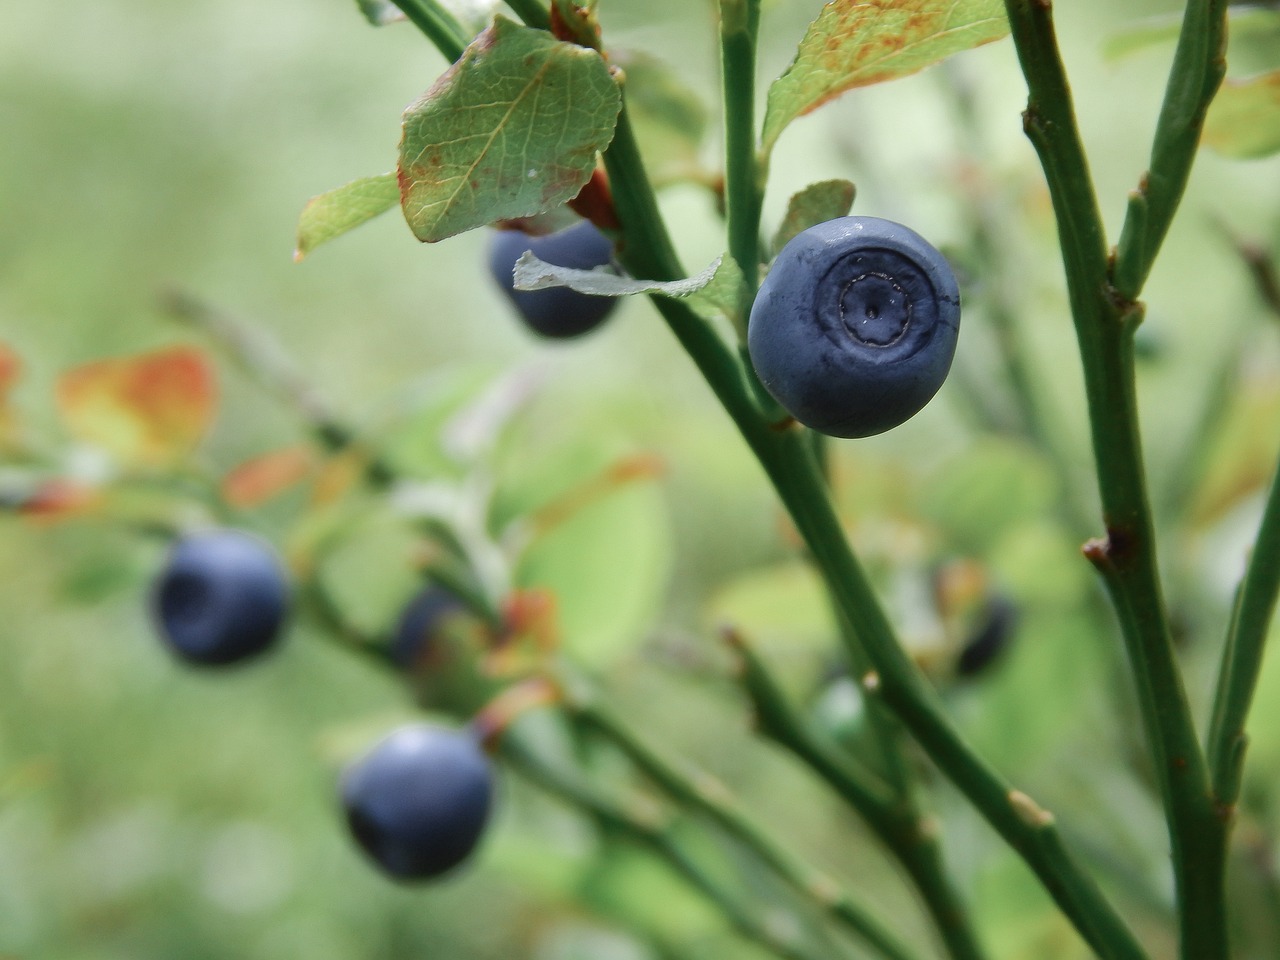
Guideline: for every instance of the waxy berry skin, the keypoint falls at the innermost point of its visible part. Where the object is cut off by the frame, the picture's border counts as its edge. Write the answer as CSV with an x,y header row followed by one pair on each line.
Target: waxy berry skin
x,y
557,312
419,801
222,597
854,328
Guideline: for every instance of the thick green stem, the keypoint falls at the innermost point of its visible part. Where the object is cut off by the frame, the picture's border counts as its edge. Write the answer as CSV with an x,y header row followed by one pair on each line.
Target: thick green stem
x,y
440,26
532,12
1126,557
744,190
1199,65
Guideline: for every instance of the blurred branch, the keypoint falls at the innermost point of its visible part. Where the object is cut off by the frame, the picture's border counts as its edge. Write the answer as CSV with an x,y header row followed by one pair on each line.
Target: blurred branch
x,y
699,792
266,363
1242,656
895,820
649,826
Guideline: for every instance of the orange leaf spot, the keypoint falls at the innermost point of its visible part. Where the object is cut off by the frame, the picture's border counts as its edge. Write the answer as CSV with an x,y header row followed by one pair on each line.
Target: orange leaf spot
x,y
148,410
258,480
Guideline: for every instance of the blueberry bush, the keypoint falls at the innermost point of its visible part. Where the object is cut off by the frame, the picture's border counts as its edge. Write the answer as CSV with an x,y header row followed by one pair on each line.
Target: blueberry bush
x,y
774,618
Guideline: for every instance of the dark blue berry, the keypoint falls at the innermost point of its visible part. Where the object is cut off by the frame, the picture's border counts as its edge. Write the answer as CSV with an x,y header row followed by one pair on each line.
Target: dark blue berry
x,y
416,638
419,801
990,640
222,597
855,326
557,312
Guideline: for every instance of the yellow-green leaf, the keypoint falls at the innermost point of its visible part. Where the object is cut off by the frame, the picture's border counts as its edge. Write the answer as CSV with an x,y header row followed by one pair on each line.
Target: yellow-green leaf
x,y
857,44
510,130
345,208
1244,119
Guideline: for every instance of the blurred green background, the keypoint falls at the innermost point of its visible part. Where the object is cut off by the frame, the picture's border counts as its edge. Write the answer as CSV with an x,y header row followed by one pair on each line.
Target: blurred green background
x,y
150,811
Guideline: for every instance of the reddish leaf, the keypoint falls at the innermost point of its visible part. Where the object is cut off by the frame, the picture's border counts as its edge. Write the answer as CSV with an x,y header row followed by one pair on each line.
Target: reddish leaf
x,y
258,480
148,410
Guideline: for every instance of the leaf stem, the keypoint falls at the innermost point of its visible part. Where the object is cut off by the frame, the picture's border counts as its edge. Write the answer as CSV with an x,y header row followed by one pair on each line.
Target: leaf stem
x,y
1105,320
1199,64
440,26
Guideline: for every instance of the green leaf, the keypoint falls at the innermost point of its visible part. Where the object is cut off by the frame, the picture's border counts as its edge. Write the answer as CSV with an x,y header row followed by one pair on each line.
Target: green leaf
x,y
510,130
1244,119
534,274
334,213
670,120
816,203
380,12
857,44
724,294
604,551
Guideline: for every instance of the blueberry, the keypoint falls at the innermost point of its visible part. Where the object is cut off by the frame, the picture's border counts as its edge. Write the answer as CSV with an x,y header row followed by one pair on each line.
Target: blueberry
x,y
557,312
419,801
417,637
222,597
990,640
854,327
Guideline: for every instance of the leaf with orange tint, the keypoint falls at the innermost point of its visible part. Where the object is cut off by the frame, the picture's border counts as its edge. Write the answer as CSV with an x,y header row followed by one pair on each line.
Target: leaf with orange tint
x,y
150,409
258,480
857,44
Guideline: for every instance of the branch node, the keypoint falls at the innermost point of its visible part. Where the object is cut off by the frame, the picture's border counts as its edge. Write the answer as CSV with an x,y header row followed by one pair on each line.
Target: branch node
x,y
1028,811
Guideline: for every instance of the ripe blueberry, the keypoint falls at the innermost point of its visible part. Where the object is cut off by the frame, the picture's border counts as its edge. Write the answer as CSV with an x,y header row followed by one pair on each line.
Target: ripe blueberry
x,y
991,639
222,597
855,326
417,637
557,312
418,802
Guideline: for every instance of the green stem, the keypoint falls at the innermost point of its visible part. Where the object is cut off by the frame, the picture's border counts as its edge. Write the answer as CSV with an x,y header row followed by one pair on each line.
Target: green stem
x,y
1126,558
700,792
532,12
651,828
1242,656
440,26
1199,65
787,459
744,188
